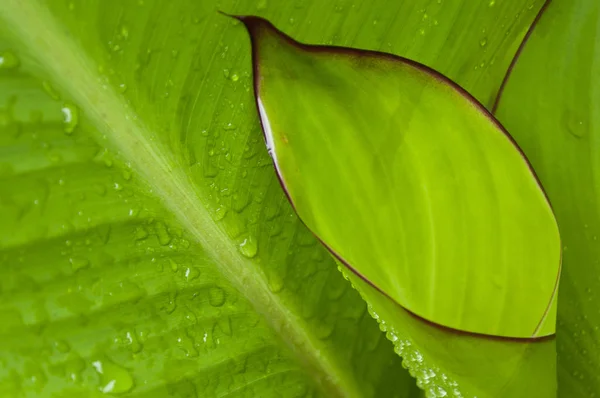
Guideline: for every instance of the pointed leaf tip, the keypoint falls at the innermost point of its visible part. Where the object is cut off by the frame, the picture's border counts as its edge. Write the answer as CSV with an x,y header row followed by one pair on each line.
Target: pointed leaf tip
x,y
253,24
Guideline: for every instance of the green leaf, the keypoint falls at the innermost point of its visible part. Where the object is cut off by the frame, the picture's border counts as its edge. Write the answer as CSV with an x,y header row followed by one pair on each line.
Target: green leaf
x,y
550,105
103,290
161,148
412,185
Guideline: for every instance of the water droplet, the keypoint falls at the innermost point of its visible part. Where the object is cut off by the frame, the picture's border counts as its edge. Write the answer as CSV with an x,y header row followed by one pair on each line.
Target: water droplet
x,y
216,296
122,88
191,273
249,247
170,304
174,265
483,42
492,3
275,283
113,378
229,126
437,391
140,233
576,127
8,60
226,73
131,340
186,343
124,32
79,262
261,5
220,213
323,329
61,346
235,77
164,238
34,375
73,367
70,117
50,90
422,32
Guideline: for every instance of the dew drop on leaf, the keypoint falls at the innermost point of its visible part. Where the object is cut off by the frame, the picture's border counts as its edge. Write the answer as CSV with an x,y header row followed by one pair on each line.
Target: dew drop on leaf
x,y
73,367
34,375
275,283
8,60
174,265
164,238
186,344
575,127
483,42
78,263
249,247
229,126
50,90
131,340
437,391
216,296
61,346
124,32
140,233
191,273
220,212
324,329
114,379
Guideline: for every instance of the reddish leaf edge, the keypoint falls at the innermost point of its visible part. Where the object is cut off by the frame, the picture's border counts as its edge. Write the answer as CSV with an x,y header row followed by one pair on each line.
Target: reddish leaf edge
x,y
253,25
517,55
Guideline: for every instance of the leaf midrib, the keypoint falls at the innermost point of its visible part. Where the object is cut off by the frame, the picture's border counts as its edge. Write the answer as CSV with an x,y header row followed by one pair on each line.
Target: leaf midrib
x,y
118,126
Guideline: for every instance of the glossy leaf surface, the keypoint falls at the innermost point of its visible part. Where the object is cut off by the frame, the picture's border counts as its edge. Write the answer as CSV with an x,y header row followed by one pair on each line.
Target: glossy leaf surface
x,y
410,183
551,106
172,81
492,363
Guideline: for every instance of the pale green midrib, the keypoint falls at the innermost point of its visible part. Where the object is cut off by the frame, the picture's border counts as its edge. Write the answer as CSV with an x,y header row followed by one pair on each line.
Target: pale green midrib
x,y
35,27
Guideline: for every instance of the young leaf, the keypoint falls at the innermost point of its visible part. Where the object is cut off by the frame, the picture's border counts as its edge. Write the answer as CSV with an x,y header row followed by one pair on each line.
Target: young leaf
x,y
550,104
411,184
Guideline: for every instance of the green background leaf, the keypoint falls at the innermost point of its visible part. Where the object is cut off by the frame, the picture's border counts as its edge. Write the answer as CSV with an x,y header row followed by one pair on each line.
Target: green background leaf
x,y
550,105
166,120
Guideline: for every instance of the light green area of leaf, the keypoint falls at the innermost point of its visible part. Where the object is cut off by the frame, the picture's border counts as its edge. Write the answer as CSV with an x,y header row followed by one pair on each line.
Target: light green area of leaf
x,y
138,134
550,105
425,198
465,365
411,184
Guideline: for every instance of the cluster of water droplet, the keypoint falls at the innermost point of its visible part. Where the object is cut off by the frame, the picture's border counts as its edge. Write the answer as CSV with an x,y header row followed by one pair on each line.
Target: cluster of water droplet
x,y
430,378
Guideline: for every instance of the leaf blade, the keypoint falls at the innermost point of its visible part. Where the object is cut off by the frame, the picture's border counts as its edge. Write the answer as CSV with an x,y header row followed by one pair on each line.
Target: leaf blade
x,y
552,116
321,109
